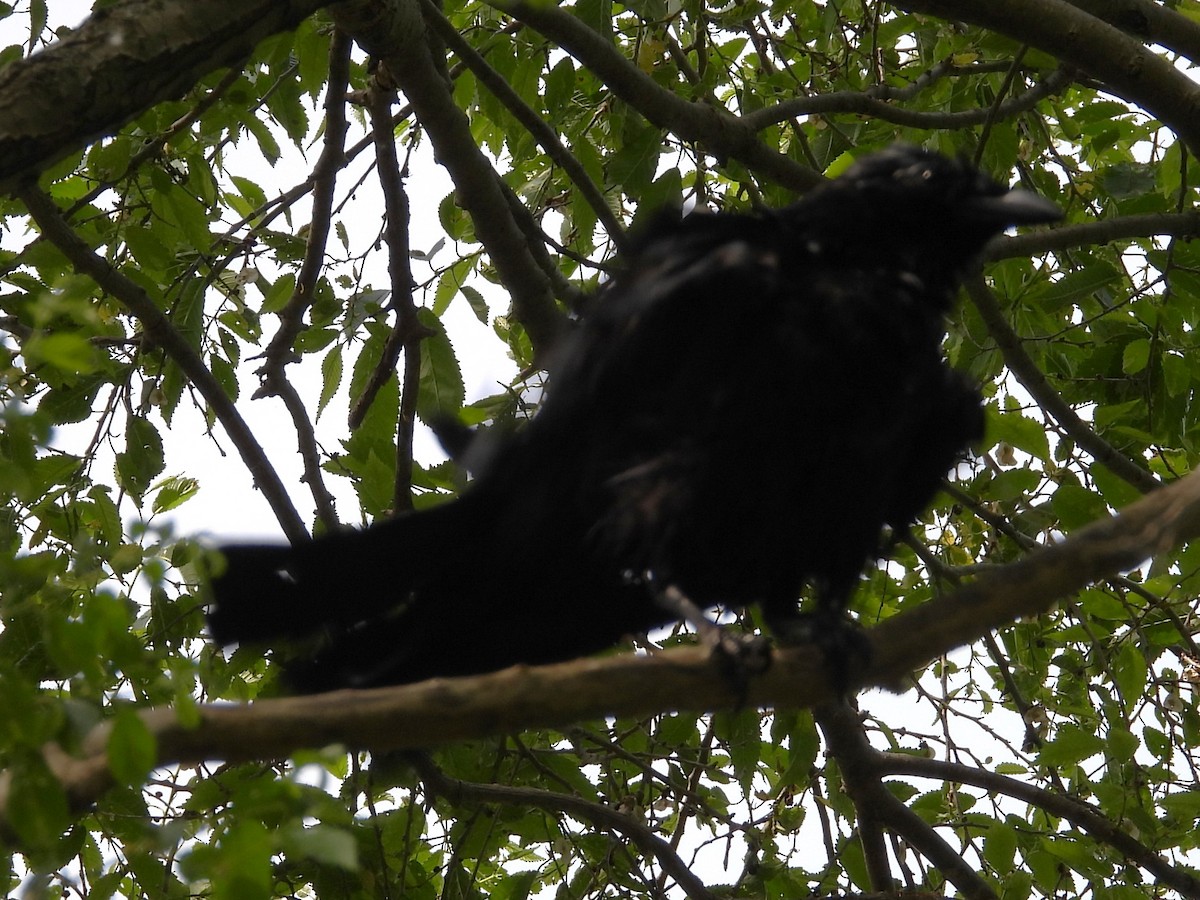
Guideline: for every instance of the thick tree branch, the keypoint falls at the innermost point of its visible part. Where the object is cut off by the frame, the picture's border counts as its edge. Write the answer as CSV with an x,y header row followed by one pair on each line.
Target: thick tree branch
x,y
1080,814
1156,23
122,60
541,131
1072,237
721,132
1163,519
395,33
880,808
451,709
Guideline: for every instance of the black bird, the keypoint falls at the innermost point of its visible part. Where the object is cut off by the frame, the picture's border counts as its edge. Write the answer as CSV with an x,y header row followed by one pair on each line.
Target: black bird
x,y
750,402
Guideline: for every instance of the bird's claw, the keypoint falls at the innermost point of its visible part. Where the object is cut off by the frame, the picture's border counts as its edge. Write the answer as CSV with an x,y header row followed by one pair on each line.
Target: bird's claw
x,y
843,644
740,656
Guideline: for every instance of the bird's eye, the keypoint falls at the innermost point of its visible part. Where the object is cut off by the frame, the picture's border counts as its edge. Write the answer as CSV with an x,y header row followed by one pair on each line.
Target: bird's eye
x,y
927,174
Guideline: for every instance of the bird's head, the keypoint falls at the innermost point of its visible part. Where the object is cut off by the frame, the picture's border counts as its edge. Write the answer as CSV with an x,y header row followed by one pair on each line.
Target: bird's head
x,y
912,206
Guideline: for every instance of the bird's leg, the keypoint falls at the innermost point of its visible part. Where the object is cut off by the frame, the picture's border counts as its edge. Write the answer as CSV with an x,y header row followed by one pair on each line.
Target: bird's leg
x,y
680,605
841,641
744,655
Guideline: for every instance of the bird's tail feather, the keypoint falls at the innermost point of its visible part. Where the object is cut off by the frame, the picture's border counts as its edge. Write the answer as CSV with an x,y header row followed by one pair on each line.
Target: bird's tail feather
x,y
269,591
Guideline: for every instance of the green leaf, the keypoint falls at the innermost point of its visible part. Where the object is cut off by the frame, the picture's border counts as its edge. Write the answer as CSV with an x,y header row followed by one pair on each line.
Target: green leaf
x,y
560,85
1074,286
65,351
1071,744
1074,506
441,389
225,375
279,293
742,733
174,492
1013,483
131,748
1129,180
450,283
125,558
1110,414
322,843
310,340
142,460
107,518
455,220
1129,671
184,211
254,195
1177,374
1135,357
634,165
1116,492
1160,745
71,402
1122,744
50,471
266,141
516,886
244,865
476,302
331,377
1000,848
37,805
1183,804
1015,429
148,249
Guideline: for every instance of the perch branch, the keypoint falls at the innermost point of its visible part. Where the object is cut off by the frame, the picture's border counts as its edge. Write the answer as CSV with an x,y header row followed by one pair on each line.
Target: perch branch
x,y
443,710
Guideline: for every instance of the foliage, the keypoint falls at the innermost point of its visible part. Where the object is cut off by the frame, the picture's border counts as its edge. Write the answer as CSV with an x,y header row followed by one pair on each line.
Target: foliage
x,y
227,244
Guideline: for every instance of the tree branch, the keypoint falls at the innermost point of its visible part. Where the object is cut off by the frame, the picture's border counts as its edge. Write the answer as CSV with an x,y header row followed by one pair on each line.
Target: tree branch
x,y
545,136
1072,237
407,332
1082,815
443,710
721,132
158,328
1126,67
122,60
879,807
1034,380
324,182
457,791
870,103
279,351
395,33
1153,22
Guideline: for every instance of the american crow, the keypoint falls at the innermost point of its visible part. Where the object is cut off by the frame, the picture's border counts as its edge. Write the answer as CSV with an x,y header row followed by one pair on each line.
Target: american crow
x,y
749,403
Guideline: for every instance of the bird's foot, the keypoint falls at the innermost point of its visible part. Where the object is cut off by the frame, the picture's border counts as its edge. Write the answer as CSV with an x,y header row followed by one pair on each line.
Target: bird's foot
x,y
740,656
845,646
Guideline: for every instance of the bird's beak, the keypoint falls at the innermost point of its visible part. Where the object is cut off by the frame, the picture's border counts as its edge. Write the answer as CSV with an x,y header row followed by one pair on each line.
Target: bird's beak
x,y
1017,207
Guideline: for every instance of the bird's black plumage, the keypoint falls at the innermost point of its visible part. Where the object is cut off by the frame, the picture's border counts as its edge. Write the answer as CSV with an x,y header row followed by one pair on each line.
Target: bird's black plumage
x,y
747,406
